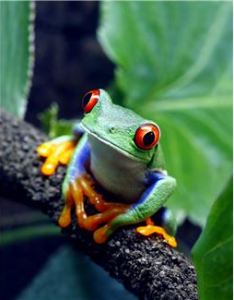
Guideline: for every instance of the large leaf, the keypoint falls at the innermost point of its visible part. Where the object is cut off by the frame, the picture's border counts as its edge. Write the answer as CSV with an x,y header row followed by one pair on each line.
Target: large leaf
x,y
16,54
213,251
174,66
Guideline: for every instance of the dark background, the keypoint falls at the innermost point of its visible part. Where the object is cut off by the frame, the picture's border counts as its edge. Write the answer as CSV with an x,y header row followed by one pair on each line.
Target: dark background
x,y
69,60
68,63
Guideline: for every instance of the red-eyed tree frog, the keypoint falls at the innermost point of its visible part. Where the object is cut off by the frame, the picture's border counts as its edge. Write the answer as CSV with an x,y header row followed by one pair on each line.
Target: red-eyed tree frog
x,y
117,149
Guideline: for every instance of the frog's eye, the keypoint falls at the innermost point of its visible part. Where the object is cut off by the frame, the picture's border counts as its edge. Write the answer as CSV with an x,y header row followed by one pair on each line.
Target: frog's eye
x,y
90,100
147,136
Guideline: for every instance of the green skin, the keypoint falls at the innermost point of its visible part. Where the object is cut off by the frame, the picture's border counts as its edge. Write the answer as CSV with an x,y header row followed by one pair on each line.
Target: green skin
x,y
120,166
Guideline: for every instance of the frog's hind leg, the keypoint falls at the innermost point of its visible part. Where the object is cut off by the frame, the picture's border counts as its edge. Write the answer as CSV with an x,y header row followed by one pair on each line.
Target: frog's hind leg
x,y
107,210
71,189
150,229
151,201
95,198
168,229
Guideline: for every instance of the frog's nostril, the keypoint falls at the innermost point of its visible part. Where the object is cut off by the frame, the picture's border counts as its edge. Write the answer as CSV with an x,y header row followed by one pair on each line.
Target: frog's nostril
x,y
112,129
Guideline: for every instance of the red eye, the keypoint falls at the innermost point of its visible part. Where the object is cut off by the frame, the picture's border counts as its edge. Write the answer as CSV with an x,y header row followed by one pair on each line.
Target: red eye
x,y
147,136
89,101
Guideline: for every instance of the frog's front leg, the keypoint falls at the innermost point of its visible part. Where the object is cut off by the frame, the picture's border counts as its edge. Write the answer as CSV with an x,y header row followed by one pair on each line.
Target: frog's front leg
x,y
78,184
58,150
151,201
71,189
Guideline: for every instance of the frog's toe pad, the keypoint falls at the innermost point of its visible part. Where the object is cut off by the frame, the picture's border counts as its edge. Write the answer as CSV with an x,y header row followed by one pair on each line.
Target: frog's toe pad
x,y
101,235
65,218
151,229
55,153
45,149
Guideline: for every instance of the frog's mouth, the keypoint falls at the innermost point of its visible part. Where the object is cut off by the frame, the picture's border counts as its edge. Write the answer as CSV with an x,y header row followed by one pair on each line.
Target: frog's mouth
x,y
113,146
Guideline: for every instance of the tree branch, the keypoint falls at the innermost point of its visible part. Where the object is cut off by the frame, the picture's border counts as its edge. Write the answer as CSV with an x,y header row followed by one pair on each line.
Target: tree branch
x,y
146,266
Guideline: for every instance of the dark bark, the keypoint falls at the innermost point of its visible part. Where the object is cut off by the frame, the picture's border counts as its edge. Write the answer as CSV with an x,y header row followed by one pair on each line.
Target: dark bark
x,y
146,266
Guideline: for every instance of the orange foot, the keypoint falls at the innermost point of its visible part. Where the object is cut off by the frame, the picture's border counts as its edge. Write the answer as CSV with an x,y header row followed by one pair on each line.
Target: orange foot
x,y
107,210
55,153
150,228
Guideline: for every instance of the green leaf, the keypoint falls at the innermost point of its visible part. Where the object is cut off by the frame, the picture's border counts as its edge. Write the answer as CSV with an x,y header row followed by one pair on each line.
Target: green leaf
x,y
174,67
52,126
17,51
213,251
21,234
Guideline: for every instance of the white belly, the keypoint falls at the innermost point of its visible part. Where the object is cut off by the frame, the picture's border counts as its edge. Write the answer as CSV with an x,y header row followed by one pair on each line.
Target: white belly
x,y
117,173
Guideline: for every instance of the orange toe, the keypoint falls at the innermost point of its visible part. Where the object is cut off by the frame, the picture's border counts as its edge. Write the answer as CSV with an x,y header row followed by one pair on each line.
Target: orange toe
x,y
48,168
151,229
45,149
65,217
65,157
100,235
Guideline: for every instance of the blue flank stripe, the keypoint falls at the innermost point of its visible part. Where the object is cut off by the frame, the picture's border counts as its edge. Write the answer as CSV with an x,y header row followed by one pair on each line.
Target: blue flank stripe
x,y
78,161
152,181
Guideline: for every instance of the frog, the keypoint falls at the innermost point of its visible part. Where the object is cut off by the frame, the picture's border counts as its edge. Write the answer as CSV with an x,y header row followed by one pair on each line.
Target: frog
x,y
120,151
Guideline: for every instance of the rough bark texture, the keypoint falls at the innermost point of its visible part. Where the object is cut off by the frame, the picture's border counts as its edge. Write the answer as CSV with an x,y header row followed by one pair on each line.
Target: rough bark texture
x,y
146,266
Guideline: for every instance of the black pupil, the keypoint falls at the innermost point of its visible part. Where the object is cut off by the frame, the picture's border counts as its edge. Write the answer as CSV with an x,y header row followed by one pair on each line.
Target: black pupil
x,y
148,138
86,99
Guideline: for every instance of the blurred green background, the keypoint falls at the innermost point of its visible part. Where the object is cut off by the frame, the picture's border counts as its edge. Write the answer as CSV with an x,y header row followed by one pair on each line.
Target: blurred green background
x,y
168,61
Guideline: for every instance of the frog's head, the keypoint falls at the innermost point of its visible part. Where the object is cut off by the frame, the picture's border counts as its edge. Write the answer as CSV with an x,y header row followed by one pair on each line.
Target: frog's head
x,y
119,127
